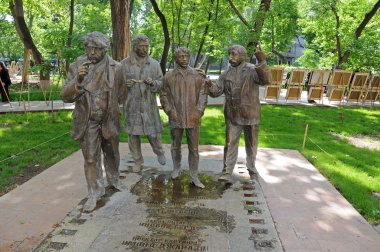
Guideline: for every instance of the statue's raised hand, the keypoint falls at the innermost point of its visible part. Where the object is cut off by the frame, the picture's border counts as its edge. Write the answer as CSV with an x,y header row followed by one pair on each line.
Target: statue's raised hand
x,y
83,70
260,55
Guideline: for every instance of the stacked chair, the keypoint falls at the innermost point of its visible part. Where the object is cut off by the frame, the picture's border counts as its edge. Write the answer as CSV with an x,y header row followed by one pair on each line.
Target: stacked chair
x,y
357,87
295,84
317,82
272,91
337,84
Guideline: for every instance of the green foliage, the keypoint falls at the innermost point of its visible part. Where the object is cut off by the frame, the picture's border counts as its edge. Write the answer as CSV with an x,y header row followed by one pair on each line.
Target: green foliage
x,y
10,43
318,24
280,27
48,22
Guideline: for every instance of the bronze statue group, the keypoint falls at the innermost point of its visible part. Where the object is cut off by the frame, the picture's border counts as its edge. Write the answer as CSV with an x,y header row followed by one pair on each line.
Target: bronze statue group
x,y
98,84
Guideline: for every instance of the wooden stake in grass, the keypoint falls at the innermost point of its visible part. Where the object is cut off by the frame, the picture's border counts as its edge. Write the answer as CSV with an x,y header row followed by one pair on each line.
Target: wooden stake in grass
x,y
305,136
342,117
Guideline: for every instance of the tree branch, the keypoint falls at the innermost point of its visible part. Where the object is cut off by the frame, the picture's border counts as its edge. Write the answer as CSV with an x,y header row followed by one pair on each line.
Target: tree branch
x,y
165,52
366,19
337,26
239,15
368,16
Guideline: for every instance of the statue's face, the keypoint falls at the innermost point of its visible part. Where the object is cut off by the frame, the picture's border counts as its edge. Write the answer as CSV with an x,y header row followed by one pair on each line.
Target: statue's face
x,y
234,57
182,59
142,49
95,53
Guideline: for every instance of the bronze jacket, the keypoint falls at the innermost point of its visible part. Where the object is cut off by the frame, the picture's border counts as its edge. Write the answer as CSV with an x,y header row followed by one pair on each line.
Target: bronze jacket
x,y
184,97
240,86
81,113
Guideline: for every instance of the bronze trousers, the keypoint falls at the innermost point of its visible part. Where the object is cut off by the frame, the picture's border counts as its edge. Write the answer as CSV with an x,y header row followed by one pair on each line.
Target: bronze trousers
x,y
192,136
233,132
134,144
93,145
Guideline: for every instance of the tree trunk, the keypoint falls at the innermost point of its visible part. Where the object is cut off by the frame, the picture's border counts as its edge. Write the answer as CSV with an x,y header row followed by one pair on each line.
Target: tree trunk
x,y
120,29
179,23
164,24
131,4
17,9
220,66
208,61
25,66
70,34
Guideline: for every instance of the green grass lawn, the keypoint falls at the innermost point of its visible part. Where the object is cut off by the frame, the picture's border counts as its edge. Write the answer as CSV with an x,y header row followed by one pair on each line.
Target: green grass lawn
x,y
354,171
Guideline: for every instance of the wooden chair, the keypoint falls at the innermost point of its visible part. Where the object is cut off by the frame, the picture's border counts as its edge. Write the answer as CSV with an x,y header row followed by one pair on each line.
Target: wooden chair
x,y
272,91
372,92
358,84
317,81
338,84
295,84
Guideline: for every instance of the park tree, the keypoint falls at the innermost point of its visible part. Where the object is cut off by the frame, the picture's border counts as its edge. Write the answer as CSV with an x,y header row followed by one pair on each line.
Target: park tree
x,y
341,34
17,10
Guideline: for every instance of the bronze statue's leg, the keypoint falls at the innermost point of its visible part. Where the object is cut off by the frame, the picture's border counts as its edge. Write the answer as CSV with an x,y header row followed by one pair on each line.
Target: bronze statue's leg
x,y
251,135
176,140
90,144
192,136
134,144
227,136
233,132
156,143
111,161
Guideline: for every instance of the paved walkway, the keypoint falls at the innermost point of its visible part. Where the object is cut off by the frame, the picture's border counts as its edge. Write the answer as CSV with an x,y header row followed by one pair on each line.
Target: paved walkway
x,y
308,212
16,106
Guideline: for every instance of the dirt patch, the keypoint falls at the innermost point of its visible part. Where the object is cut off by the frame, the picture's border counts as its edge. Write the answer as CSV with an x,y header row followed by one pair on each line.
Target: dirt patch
x,y
371,142
21,178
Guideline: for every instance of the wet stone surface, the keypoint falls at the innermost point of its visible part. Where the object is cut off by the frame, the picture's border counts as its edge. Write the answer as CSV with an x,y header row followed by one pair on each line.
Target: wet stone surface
x,y
161,214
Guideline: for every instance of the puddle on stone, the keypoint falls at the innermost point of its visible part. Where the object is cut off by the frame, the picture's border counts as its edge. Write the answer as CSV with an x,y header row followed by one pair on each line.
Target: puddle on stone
x,y
176,221
68,232
256,221
77,221
57,245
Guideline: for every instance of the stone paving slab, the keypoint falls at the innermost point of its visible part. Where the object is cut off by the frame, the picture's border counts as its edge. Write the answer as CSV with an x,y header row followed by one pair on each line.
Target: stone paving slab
x,y
309,213
289,207
159,214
